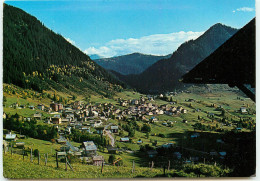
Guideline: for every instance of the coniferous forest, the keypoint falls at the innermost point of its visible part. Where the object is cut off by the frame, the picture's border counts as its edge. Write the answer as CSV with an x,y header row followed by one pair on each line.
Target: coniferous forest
x,y
36,57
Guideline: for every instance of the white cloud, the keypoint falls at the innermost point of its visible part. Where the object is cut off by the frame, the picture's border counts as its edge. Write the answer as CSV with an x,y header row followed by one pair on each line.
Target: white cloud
x,y
244,9
71,41
158,44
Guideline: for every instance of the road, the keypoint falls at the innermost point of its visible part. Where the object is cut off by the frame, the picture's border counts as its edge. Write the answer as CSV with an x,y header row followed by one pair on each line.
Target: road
x,y
108,133
69,144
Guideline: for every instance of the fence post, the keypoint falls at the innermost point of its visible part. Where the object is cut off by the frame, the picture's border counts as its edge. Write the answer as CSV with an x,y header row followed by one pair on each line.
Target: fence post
x,y
133,169
31,156
164,169
66,163
11,149
4,148
102,166
46,157
169,165
23,154
152,166
57,162
38,158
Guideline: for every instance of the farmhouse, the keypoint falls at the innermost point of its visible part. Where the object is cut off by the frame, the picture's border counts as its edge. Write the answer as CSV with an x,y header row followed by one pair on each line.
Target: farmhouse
x,y
152,153
37,116
111,149
41,107
243,110
54,107
114,129
90,149
10,136
97,160
56,120
126,139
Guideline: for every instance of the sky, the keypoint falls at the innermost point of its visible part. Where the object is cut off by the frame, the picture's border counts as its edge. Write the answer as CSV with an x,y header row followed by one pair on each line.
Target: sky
x,y
118,27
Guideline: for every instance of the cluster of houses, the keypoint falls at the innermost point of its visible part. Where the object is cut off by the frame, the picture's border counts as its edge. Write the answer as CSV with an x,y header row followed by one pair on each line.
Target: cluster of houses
x,y
141,107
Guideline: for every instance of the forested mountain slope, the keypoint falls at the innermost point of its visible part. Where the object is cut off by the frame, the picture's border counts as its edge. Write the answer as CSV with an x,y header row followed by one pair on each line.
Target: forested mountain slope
x,y
36,57
134,63
164,75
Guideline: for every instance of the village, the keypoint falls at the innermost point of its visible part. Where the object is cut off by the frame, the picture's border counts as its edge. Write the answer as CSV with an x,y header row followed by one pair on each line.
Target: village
x,y
104,120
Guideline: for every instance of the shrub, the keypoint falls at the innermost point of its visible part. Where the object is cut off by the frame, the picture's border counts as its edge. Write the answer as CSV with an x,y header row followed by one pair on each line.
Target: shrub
x,y
111,159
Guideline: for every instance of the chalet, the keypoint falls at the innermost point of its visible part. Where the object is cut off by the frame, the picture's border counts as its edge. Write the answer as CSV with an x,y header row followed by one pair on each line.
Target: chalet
x,y
99,130
195,135
90,149
97,123
111,149
10,136
150,98
124,103
222,154
153,119
184,121
173,109
37,116
160,112
190,100
56,120
41,107
61,140
78,125
68,130
98,160
152,153
135,102
169,113
65,148
142,99
149,105
243,110
149,113
31,107
165,124
54,107
177,155
139,142
184,111
114,129
179,108
86,129
126,139
65,120
19,144
167,145
77,103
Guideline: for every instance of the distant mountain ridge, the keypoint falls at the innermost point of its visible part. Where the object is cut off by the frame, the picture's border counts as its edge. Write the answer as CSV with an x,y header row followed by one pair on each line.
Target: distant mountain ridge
x,y
36,57
95,56
134,63
164,75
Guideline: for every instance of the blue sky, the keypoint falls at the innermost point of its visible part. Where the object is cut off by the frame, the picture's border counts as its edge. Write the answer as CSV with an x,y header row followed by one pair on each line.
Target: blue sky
x,y
116,27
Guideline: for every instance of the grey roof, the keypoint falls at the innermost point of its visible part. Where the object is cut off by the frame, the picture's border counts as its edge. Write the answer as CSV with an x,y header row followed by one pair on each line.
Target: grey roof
x,y
90,146
114,127
10,136
124,139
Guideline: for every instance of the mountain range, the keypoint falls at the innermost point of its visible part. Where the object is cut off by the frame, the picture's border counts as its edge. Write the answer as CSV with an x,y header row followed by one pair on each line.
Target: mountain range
x,y
165,74
34,57
134,63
